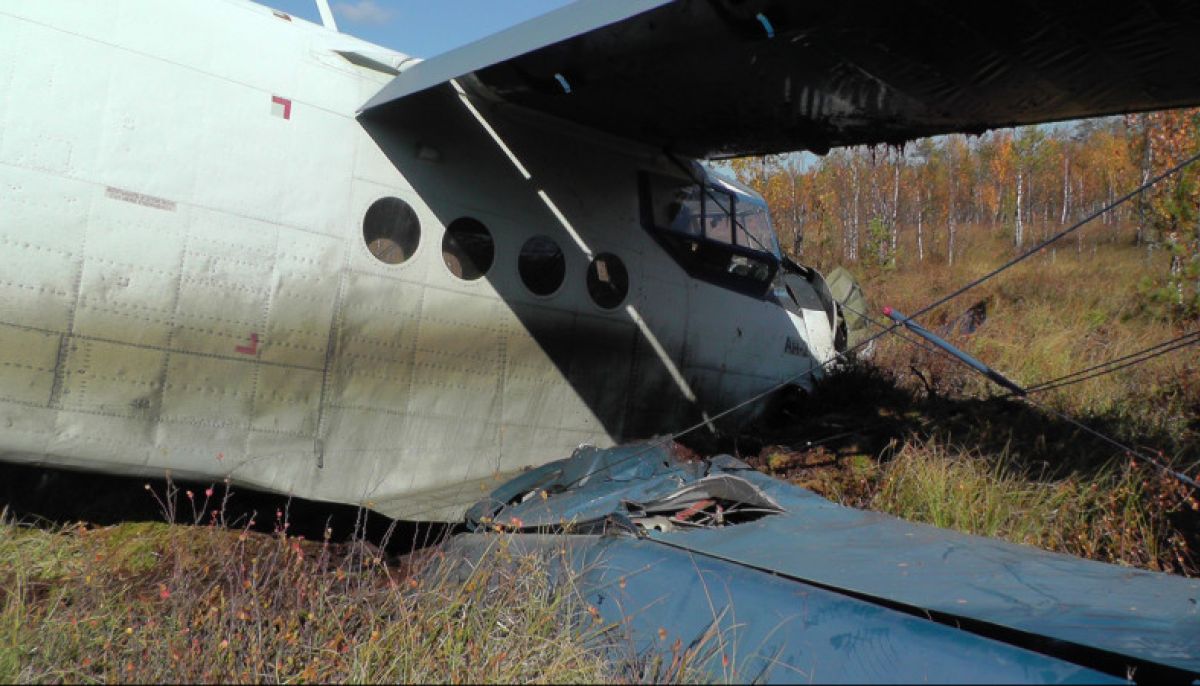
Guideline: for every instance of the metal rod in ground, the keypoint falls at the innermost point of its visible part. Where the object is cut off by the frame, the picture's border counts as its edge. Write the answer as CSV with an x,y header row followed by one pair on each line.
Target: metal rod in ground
x,y
963,357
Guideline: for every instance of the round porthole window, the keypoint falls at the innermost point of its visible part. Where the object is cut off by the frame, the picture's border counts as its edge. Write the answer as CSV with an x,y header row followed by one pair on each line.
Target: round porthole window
x,y
467,249
542,265
607,280
391,230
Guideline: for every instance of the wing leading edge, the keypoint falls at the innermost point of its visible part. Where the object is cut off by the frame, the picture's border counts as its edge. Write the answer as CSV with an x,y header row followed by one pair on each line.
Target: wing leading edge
x,y
731,77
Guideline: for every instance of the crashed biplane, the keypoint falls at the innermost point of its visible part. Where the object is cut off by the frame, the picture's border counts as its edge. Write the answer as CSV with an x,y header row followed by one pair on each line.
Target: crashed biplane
x,y
234,244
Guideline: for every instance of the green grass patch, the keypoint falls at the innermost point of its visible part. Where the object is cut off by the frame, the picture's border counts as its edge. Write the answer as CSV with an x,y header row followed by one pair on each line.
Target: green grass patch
x,y
1122,513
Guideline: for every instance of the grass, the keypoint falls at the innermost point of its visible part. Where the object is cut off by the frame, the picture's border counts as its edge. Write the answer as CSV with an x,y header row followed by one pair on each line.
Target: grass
x,y
1047,317
1120,514
149,602
917,435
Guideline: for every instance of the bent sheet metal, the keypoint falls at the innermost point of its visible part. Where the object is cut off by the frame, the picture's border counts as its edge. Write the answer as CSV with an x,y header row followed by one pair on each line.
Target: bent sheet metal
x,y
780,584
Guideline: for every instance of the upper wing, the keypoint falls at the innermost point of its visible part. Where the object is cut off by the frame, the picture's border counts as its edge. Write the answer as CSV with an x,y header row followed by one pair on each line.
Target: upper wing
x,y
551,29
712,77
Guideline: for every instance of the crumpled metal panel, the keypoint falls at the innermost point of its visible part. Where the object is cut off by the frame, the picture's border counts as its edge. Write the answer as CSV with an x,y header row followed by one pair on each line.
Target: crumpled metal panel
x,y
586,487
1096,613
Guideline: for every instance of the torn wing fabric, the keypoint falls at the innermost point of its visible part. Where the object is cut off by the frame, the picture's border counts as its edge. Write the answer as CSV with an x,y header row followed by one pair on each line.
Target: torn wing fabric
x,y
725,77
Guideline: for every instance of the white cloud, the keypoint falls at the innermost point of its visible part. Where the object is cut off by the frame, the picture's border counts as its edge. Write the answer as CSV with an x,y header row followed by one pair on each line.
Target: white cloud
x,y
363,12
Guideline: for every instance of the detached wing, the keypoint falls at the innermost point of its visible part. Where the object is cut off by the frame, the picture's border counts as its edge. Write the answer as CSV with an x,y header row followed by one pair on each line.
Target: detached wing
x,y
724,77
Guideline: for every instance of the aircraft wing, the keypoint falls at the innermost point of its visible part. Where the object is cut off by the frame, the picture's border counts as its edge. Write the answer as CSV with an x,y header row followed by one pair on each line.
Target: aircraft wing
x,y
804,589
733,77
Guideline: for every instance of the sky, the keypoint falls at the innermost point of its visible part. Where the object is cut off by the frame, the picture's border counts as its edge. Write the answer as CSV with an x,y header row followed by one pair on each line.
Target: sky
x,y
422,28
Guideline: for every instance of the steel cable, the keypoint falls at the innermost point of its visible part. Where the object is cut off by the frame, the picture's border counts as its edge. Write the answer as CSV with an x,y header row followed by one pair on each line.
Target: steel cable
x,y
1122,362
1066,417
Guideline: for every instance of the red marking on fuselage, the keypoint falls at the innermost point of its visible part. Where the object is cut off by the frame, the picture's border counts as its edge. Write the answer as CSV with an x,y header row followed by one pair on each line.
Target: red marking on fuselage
x,y
251,349
287,105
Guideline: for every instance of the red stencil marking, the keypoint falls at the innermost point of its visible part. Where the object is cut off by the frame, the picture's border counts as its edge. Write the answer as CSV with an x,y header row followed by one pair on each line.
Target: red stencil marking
x,y
251,349
285,103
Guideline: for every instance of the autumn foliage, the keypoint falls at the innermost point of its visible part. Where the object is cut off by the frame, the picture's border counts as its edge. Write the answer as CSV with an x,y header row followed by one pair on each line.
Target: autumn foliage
x,y
933,199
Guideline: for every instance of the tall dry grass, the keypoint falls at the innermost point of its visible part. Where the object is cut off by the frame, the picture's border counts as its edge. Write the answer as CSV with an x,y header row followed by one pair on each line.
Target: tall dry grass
x,y
152,602
1056,313
1124,513
927,440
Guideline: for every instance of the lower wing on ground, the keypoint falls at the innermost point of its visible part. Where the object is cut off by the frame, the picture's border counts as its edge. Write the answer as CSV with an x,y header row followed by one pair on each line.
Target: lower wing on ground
x,y
794,587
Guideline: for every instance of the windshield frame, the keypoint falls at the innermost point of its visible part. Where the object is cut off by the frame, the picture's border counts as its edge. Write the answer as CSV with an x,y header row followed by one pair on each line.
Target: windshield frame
x,y
737,260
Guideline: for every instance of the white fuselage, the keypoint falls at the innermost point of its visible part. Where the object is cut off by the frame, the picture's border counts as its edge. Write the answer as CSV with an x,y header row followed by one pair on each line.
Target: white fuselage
x,y
185,284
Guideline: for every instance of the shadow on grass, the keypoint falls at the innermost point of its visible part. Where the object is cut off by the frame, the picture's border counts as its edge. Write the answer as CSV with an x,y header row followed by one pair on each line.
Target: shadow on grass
x,y
864,412
60,497
997,467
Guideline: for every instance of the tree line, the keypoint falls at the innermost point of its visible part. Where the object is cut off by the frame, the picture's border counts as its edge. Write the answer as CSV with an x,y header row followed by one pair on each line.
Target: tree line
x,y
893,207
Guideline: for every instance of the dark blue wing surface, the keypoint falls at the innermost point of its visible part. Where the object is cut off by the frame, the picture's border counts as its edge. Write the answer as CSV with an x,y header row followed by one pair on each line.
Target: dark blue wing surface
x,y
707,77
832,593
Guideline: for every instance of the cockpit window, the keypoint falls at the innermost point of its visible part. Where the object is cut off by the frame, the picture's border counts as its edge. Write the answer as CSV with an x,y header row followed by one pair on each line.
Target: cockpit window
x,y
685,214
754,224
717,231
718,216
721,216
